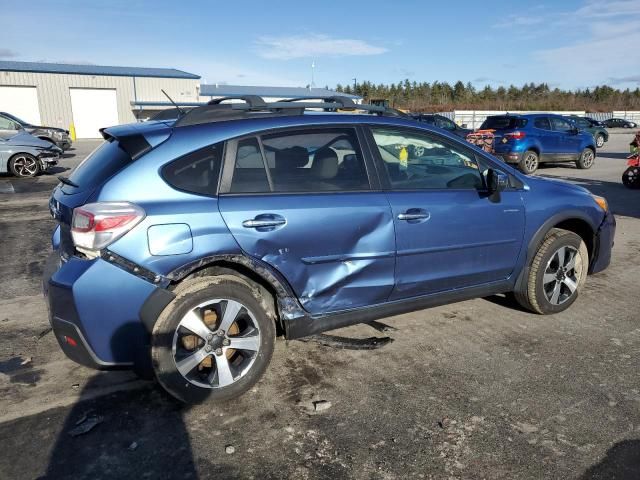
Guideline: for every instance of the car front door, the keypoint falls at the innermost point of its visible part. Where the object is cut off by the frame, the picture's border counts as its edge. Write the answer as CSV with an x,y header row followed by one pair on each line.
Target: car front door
x,y
449,233
306,202
568,142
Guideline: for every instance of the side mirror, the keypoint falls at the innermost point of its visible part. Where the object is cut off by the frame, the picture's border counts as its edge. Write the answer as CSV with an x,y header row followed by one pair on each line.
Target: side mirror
x,y
574,131
497,181
464,125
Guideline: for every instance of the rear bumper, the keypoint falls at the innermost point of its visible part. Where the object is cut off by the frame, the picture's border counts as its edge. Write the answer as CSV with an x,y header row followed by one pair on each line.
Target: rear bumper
x,y
94,310
604,241
509,157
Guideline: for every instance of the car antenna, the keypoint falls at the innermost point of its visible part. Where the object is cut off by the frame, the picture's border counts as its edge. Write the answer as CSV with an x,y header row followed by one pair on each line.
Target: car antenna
x,y
182,112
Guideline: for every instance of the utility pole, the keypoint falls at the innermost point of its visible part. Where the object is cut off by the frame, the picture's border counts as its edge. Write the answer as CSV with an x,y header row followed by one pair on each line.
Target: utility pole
x,y
313,67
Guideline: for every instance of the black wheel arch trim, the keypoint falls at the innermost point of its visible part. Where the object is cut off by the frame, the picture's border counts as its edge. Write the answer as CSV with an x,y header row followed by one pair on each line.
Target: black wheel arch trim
x,y
538,238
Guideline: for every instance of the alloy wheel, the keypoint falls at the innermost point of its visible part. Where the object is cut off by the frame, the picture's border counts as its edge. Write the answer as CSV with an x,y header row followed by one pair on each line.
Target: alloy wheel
x,y
599,141
25,166
560,279
531,162
216,343
587,158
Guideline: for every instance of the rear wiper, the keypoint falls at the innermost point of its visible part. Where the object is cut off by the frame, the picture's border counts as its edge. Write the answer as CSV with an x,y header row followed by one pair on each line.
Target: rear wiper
x,y
66,181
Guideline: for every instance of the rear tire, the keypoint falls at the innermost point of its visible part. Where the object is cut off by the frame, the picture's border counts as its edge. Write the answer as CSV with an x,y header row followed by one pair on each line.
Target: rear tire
x,y
586,160
226,311
529,163
24,165
556,275
600,141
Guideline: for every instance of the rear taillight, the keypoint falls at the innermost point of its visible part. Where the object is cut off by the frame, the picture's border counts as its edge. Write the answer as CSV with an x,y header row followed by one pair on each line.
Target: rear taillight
x,y
517,135
96,225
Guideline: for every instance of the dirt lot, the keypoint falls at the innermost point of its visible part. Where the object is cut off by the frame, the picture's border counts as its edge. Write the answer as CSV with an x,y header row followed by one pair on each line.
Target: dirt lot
x,y
479,389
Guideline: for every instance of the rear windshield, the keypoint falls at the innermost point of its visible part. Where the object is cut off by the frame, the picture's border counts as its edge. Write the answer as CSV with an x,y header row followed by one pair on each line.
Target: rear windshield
x,y
503,123
101,164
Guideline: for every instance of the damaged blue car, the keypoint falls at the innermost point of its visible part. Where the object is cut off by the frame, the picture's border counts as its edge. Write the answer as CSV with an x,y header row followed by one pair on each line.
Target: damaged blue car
x,y
184,246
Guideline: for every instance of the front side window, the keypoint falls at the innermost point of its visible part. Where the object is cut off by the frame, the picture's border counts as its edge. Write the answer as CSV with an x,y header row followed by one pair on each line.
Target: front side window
x,y
542,123
327,160
196,172
6,124
560,124
415,161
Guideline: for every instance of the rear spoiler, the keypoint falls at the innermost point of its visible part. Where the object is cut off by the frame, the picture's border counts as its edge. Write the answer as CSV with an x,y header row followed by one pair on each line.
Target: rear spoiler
x,y
137,140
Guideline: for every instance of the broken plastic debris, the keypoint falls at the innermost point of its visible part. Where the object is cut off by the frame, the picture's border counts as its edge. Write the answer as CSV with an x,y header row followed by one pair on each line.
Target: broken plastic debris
x,y
86,424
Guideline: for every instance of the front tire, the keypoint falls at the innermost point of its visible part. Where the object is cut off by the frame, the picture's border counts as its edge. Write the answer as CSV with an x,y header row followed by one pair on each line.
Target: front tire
x,y
600,141
557,273
631,178
529,163
586,160
24,165
214,340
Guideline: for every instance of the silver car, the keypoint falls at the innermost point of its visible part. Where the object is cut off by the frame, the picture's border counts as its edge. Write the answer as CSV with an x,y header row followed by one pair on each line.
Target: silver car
x,y
24,155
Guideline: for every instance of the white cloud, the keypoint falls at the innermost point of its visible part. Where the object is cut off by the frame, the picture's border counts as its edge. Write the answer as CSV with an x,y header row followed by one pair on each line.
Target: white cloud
x,y
518,21
313,46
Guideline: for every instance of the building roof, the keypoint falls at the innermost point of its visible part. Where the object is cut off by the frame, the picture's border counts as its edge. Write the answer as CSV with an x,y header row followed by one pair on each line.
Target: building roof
x,y
65,68
279,92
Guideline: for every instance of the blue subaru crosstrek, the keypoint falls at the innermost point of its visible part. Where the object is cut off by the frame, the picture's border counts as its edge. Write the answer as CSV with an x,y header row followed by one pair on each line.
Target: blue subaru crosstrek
x,y
185,246
528,140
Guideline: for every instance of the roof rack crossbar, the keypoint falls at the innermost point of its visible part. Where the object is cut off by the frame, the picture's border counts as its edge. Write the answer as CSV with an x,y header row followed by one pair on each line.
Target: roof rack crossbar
x,y
215,110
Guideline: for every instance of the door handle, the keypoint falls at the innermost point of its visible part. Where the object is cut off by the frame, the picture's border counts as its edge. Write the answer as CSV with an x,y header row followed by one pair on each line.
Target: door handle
x,y
414,214
265,221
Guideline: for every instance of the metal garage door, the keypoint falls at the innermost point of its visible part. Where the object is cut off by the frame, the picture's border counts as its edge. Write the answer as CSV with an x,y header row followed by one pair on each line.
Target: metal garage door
x,y
21,102
93,109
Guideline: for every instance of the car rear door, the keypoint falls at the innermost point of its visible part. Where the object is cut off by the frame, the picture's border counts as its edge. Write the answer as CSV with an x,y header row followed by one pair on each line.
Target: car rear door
x,y
305,201
449,234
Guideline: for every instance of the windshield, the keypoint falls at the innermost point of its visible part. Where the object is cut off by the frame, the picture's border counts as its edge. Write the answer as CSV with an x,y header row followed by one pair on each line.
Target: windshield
x,y
13,117
503,123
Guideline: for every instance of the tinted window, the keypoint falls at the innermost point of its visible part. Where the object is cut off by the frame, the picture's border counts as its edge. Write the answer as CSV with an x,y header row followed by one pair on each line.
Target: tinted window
x,y
415,161
542,122
196,172
560,124
102,163
249,174
503,123
310,161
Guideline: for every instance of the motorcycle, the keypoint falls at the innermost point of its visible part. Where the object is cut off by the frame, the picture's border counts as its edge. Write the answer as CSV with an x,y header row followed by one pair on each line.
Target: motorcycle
x,y
631,176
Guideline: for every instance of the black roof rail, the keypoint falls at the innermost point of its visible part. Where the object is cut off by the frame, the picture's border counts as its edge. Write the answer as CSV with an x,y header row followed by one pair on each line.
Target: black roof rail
x,y
216,111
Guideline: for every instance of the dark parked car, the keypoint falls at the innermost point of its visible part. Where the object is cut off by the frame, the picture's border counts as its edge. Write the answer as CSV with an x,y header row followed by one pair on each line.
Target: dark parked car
x,y
443,122
184,247
594,127
528,140
619,123
57,136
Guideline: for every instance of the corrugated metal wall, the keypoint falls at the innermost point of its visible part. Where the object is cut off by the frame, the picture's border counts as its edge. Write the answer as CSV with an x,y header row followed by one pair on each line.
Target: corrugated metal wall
x,y
55,101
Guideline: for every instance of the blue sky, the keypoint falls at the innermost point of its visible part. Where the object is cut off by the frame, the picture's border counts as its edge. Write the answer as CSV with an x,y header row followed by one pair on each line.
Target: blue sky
x,y
569,44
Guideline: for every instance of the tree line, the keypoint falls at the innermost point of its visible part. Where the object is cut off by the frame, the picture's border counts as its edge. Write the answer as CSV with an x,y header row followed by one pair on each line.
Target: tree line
x,y
441,96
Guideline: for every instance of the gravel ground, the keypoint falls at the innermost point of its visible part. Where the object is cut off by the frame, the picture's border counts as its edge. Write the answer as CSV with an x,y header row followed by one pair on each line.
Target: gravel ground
x,y
479,389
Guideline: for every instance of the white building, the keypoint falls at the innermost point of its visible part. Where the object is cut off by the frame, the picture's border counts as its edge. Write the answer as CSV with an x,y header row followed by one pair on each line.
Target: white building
x,y
88,96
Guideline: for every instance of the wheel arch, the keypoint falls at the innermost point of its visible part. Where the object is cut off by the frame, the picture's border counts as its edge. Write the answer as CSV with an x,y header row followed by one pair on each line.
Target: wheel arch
x,y
575,222
268,279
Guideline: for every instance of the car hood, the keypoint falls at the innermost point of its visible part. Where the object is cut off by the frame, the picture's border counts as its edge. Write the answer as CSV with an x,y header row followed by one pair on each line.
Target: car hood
x,y
532,181
24,139
42,127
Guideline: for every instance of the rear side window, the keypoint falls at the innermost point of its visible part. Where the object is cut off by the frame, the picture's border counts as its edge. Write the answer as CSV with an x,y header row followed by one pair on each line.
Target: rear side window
x,y
197,172
503,123
327,160
101,164
542,122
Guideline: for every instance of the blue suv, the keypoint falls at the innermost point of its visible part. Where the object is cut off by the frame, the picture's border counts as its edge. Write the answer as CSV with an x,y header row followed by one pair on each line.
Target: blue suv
x,y
528,140
185,246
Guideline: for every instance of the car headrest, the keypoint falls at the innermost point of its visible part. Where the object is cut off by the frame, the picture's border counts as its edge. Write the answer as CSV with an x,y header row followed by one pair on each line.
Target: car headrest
x,y
325,163
290,158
